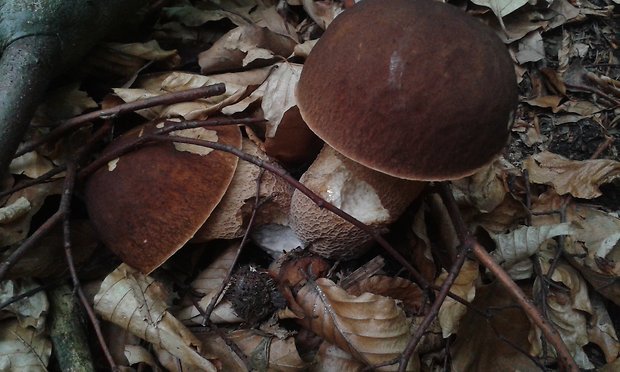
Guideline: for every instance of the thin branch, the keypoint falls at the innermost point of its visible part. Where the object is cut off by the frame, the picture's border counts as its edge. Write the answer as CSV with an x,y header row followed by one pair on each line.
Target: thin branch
x,y
165,99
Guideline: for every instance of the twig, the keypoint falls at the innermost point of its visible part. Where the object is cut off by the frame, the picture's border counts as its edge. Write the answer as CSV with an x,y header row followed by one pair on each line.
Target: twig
x,y
214,300
434,310
165,99
65,207
566,361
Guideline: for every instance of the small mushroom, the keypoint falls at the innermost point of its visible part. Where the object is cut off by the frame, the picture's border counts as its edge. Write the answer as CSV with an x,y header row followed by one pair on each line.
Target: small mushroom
x,y
416,90
148,203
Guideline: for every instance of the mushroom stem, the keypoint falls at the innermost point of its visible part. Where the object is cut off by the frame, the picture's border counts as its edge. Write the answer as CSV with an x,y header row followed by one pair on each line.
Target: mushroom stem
x,y
373,198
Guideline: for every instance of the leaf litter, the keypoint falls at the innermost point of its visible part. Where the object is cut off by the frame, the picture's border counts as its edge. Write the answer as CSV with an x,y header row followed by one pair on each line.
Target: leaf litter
x,y
550,203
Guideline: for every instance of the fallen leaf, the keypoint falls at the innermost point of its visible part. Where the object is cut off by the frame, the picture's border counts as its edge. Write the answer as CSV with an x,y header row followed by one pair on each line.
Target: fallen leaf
x,y
397,288
484,189
578,178
31,311
245,46
267,352
567,312
208,283
479,346
332,358
137,303
522,242
360,325
601,330
15,210
23,348
531,48
501,8
451,312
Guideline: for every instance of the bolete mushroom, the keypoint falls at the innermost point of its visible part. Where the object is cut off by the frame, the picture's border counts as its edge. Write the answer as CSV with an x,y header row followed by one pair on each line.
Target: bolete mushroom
x,y
414,90
148,203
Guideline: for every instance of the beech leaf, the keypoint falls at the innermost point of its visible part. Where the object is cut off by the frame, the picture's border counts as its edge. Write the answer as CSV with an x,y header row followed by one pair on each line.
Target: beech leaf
x,y
524,241
578,178
135,302
370,327
23,348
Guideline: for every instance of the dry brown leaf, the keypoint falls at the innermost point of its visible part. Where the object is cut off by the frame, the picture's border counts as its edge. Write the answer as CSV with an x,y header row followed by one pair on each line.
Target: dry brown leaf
x,y
397,288
62,103
23,348
137,354
567,311
268,352
245,46
15,210
478,348
484,189
137,303
238,12
594,249
208,282
332,358
322,12
451,311
31,165
531,48
551,101
360,325
15,231
236,87
501,8
30,311
279,94
522,242
601,330
578,178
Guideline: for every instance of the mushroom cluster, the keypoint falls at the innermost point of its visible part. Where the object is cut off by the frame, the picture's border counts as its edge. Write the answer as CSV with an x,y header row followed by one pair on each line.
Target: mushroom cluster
x,y
409,91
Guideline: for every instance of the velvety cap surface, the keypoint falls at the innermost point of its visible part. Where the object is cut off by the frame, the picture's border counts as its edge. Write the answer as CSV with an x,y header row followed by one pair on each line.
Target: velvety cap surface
x,y
413,88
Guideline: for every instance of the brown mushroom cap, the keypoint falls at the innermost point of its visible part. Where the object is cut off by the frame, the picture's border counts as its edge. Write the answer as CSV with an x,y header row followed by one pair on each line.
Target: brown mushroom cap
x,y
148,203
415,89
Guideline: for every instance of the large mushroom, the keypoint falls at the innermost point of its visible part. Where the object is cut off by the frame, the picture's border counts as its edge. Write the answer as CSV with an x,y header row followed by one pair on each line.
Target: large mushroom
x,y
148,203
410,90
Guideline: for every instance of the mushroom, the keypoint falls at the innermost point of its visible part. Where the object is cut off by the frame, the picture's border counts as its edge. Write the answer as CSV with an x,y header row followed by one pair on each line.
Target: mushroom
x,y
148,203
414,90
229,220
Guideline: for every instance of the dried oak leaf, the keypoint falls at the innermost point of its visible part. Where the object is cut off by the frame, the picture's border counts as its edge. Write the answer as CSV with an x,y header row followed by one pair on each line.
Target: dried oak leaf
x,y
372,328
578,178
137,303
